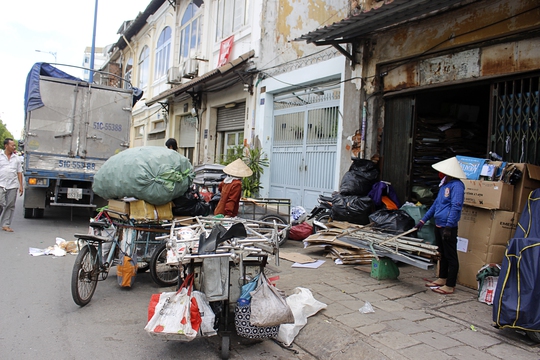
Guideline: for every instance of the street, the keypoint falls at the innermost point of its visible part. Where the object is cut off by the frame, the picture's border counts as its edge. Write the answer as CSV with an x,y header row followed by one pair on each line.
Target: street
x,y
40,320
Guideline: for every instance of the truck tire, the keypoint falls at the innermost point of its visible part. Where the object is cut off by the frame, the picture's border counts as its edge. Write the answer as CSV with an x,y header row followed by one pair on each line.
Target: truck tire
x,y
28,213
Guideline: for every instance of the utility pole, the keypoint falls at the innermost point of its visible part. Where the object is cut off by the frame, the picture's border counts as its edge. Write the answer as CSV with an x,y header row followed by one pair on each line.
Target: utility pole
x,y
91,79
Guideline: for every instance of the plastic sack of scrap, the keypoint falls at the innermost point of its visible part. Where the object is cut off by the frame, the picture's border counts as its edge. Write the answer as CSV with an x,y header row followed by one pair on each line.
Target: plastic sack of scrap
x,y
360,178
353,209
394,220
154,174
303,305
191,204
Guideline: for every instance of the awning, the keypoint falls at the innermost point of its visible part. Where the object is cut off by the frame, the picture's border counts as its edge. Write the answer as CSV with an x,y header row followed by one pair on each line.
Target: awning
x,y
389,14
222,74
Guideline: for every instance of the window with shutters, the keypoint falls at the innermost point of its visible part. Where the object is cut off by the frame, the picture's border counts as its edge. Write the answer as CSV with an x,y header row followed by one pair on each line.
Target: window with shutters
x,y
163,53
190,32
144,67
232,15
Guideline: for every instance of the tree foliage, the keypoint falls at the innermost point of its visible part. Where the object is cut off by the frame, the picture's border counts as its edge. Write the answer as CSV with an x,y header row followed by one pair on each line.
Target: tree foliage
x,y
4,133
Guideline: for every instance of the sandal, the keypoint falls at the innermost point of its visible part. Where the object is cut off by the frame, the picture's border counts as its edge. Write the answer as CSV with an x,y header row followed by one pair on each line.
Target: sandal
x,y
441,291
432,284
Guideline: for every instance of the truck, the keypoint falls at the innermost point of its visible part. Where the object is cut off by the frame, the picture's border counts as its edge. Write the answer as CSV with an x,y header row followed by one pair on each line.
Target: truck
x,y
71,128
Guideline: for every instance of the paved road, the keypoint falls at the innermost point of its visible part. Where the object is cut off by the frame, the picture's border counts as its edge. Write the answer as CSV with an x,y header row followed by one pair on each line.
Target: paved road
x,y
39,320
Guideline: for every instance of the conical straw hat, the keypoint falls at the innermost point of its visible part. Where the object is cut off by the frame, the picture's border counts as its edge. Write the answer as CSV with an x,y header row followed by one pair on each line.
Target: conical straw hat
x,y
450,167
238,169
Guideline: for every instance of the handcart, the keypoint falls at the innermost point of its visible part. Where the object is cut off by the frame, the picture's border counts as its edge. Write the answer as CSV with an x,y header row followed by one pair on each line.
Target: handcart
x,y
267,210
221,264
108,240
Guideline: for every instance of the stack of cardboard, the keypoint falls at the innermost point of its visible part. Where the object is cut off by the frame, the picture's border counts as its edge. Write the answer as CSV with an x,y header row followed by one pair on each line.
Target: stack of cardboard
x,y
339,250
489,218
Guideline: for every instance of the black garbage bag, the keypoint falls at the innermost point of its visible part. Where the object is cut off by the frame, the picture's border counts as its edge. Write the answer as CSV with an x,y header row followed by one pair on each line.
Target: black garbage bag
x,y
397,221
191,204
360,178
353,209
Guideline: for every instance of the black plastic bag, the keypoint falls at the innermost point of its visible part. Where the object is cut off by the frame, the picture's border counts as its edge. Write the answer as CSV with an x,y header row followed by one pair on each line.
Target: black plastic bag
x,y
353,209
397,221
360,178
191,204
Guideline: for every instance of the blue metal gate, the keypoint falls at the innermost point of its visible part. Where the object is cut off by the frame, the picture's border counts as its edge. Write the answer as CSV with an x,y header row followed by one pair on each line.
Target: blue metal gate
x,y
305,135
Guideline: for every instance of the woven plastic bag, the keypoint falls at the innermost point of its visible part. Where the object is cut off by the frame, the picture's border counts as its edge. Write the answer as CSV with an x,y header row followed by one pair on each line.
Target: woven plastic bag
x,y
268,305
154,174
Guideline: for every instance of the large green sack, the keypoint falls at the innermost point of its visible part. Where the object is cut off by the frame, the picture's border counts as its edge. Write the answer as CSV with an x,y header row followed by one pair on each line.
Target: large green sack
x,y
151,173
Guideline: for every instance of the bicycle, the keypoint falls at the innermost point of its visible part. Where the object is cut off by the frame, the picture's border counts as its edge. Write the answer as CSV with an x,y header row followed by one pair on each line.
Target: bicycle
x,y
90,267
102,250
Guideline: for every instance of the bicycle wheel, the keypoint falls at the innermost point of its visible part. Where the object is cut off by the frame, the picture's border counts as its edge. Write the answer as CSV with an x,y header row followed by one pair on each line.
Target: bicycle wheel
x,y
162,273
279,220
84,276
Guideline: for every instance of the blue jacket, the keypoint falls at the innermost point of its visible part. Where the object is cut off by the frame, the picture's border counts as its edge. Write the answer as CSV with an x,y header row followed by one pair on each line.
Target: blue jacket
x,y
447,207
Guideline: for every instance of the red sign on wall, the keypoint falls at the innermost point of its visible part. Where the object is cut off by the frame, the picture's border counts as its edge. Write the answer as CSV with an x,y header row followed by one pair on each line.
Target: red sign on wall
x,y
225,50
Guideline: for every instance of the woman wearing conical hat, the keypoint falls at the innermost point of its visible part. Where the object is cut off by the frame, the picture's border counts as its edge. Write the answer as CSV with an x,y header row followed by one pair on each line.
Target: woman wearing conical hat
x,y
231,188
446,210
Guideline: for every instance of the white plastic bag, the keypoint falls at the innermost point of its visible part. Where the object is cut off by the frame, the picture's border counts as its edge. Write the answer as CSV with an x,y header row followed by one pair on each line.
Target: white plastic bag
x,y
268,305
366,309
303,305
207,314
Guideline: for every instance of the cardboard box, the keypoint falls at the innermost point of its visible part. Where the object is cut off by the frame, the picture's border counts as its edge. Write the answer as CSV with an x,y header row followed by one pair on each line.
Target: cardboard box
x,y
529,182
141,210
471,263
164,212
490,195
119,206
483,236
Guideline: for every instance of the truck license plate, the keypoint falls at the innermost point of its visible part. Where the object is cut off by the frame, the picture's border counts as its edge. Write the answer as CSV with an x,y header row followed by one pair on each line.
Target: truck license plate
x,y
74,193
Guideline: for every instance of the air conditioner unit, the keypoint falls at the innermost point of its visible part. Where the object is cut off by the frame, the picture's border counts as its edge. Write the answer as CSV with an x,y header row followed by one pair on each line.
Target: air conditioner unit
x,y
191,67
174,75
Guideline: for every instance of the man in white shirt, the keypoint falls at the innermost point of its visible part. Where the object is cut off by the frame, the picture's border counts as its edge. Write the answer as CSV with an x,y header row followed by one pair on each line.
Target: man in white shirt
x,y
10,180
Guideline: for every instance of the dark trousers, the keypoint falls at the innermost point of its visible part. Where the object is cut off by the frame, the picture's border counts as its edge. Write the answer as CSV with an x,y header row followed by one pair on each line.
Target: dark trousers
x,y
449,263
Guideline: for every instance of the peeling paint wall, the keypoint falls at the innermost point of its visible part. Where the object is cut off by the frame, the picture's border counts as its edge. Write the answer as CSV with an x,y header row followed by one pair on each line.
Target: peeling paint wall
x,y
283,21
404,48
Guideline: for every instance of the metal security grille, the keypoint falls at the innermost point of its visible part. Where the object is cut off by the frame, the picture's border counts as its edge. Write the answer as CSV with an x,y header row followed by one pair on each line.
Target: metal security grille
x,y
231,118
305,134
515,132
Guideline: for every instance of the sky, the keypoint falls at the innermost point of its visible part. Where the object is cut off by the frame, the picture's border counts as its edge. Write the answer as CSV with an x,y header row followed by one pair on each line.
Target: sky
x,y
63,27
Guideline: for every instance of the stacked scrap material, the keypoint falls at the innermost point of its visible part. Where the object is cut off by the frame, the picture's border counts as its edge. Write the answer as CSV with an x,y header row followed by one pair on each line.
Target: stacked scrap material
x,y
346,253
398,247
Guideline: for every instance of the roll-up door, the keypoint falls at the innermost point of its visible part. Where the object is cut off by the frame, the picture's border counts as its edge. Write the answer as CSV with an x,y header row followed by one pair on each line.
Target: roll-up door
x,y
231,118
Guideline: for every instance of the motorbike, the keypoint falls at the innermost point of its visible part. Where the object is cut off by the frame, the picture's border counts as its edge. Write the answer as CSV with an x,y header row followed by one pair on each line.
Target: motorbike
x,y
321,213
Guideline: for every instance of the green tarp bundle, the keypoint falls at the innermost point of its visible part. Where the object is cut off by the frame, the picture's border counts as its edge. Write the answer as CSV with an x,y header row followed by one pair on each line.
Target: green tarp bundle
x,y
151,173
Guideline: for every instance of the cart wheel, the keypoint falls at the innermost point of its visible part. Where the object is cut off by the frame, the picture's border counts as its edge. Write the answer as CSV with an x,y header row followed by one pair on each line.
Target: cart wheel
x,y
225,345
279,220
162,273
534,336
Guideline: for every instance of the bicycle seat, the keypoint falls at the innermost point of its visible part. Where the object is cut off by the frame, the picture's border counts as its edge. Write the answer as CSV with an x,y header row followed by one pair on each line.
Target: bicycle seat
x,y
90,237
99,224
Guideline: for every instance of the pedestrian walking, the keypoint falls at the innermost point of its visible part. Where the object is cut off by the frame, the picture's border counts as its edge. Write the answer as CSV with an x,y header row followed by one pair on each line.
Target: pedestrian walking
x,y
447,211
10,181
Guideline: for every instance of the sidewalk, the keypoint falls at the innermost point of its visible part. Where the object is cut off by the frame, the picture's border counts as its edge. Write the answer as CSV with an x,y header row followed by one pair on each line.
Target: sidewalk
x,y
410,321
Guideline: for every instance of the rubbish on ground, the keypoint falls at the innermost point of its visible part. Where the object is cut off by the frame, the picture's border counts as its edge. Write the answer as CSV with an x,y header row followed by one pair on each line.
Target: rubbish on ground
x,y
473,328
366,309
303,305
311,265
61,248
